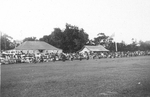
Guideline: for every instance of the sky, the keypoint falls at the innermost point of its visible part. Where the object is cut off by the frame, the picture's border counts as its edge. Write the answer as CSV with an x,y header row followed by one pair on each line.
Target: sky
x,y
126,18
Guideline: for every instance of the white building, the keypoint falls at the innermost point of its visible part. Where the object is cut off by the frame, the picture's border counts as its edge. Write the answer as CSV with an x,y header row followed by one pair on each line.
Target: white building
x,y
88,49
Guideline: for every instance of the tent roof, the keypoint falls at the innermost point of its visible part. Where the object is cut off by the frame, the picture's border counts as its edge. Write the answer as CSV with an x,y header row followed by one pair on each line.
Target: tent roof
x,y
35,45
96,48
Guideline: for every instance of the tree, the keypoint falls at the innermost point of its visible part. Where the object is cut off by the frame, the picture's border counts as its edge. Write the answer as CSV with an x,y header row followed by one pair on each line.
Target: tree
x,y
30,39
104,40
56,38
90,42
100,39
71,39
122,46
6,43
45,38
15,43
144,46
75,38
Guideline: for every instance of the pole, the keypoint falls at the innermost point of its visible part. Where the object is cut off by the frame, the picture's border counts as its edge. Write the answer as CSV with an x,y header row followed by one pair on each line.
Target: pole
x,y
5,42
116,46
0,42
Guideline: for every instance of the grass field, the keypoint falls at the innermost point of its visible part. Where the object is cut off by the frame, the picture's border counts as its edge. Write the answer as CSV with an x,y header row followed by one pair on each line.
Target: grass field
x,y
120,77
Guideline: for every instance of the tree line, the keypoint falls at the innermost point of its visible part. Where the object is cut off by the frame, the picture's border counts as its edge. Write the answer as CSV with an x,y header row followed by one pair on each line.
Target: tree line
x,y
73,38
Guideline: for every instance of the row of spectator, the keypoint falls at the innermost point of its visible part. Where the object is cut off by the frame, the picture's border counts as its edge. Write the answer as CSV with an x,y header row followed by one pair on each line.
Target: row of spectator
x,y
48,57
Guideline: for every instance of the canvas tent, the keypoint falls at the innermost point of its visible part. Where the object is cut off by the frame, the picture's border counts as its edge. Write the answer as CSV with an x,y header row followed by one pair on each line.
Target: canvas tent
x,y
37,47
98,48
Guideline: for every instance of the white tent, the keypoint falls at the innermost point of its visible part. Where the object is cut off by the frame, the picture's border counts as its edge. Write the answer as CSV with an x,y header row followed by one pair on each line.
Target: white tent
x,y
98,48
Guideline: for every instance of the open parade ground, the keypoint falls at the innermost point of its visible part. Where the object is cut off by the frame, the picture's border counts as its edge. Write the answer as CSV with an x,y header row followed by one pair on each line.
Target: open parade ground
x,y
115,77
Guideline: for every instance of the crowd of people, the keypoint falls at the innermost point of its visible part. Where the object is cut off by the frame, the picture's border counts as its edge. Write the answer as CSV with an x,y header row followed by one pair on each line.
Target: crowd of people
x,y
52,57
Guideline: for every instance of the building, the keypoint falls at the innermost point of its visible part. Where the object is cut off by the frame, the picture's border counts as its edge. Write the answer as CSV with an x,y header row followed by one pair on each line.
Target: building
x,y
37,47
98,48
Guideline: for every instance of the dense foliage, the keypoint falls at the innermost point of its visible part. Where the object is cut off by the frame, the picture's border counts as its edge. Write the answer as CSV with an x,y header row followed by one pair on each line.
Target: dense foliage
x,y
5,42
71,39
107,42
30,39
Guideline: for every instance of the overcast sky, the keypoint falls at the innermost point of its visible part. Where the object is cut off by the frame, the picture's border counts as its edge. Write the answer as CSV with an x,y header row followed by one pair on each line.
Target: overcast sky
x,y
127,18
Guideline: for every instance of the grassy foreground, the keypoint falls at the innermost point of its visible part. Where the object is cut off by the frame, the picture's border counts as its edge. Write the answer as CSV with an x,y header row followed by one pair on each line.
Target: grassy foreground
x,y
120,77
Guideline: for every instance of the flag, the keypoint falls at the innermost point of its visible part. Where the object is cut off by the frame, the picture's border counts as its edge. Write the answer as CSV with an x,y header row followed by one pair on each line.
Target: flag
x,y
111,36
